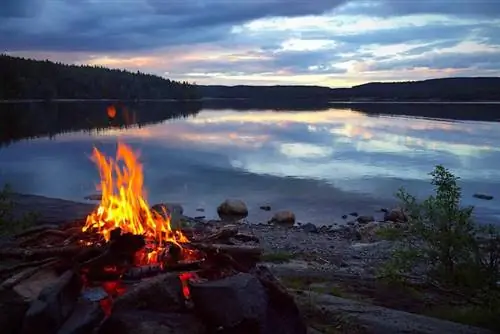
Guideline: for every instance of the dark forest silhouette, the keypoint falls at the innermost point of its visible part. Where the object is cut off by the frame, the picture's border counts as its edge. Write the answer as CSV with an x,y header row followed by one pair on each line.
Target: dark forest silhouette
x,y
34,79
31,120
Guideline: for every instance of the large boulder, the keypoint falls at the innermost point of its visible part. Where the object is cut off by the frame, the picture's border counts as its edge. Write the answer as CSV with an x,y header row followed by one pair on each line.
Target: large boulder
x,y
285,218
396,215
232,208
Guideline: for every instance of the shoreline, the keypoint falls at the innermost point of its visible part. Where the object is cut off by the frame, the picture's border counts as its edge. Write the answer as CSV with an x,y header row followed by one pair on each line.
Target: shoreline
x,y
331,267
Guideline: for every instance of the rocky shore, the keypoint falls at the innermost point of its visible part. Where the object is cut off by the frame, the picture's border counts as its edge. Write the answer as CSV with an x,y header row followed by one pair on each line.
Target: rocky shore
x,y
333,264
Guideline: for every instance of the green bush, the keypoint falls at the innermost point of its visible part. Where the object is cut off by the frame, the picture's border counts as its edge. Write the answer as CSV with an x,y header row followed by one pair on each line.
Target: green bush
x,y
442,237
8,223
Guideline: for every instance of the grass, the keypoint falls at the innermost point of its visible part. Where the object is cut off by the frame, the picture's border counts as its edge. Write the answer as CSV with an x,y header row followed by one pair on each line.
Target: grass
x,y
389,233
317,285
9,225
469,315
277,257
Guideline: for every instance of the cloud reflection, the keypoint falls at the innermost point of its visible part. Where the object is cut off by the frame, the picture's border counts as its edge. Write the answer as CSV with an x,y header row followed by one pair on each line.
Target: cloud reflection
x,y
332,144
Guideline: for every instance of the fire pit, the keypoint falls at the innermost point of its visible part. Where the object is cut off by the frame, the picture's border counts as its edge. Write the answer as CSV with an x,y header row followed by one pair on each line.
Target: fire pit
x,y
126,269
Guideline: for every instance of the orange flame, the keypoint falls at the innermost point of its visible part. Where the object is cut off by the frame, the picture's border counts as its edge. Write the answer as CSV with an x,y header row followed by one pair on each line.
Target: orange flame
x,y
111,110
123,204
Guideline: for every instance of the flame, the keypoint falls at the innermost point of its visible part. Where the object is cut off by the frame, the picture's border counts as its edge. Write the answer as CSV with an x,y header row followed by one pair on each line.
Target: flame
x,y
111,110
123,203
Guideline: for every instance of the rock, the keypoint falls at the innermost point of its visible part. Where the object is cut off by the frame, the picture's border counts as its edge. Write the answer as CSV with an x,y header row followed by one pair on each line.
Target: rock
x,y
396,215
310,228
86,316
147,322
200,210
12,310
53,306
351,223
365,219
368,232
483,196
93,197
283,218
240,298
30,288
344,217
162,293
354,214
232,208
265,207
384,210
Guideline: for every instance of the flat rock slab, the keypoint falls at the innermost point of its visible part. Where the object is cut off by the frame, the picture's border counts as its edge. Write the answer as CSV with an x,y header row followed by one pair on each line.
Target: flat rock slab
x,y
381,320
50,210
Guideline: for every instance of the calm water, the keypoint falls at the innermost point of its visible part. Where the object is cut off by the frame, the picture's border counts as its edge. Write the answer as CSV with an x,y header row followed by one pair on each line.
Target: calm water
x,y
319,163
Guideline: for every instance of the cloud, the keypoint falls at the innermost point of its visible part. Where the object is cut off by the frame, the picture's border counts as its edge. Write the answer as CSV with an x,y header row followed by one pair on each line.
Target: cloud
x,y
321,42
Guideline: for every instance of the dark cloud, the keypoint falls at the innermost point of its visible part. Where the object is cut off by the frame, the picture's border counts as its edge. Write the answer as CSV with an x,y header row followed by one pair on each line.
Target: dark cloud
x,y
86,25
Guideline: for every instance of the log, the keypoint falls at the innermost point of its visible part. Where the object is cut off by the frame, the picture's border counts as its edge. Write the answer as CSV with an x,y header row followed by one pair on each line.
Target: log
x,y
24,265
33,238
221,235
36,229
36,253
14,280
233,250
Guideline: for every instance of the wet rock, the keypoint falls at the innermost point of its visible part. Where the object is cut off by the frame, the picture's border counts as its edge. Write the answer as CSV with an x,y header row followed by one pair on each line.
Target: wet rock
x,y
344,217
12,310
232,208
283,218
240,299
396,215
483,196
53,306
86,316
354,214
310,228
351,223
162,293
384,210
365,219
200,210
265,207
147,322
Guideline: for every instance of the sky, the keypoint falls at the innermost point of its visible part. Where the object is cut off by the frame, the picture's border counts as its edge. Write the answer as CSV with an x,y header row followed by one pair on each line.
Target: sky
x,y
336,43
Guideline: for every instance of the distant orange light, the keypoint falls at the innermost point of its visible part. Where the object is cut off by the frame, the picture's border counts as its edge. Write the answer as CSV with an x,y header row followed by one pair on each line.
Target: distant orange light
x,y
111,111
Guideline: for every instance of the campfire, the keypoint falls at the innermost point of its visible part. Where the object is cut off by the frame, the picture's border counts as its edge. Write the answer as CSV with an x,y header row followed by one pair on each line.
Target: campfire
x,y
128,264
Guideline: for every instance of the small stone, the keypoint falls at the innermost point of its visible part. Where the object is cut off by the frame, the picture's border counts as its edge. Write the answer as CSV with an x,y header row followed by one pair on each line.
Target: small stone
x,y
310,228
283,218
265,207
483,196
344,217
354,214
200,210
232,208
351,223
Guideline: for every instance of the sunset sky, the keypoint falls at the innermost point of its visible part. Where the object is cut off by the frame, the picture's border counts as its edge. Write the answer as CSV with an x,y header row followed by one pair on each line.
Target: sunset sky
x,y
260,42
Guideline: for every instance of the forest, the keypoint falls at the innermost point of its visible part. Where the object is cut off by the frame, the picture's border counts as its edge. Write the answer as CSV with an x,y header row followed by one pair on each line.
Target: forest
x,y
26,79
45,80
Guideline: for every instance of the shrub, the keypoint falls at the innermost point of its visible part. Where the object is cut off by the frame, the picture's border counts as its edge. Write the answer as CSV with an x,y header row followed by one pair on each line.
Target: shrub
x,y
8,223
442,237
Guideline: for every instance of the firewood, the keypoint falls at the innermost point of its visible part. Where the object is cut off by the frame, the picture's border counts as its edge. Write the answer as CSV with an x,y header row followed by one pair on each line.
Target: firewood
x,y
222,235
33,238
24,265
36,229
35,253
15,279
235,250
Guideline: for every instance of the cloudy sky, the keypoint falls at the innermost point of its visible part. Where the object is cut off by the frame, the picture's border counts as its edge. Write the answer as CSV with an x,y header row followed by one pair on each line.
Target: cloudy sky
x,y
336,43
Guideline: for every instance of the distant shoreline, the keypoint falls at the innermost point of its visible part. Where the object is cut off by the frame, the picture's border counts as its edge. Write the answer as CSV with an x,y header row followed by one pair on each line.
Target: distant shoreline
x,y
245,98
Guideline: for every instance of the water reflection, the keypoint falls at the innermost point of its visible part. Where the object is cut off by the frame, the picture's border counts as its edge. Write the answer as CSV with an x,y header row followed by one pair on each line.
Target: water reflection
x,y
321,163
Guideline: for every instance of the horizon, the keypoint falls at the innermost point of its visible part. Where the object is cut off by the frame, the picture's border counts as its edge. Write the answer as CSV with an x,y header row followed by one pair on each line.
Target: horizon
x,y
336,44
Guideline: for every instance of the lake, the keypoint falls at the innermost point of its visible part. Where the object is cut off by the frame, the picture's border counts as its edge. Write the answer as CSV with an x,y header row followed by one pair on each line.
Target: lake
x,y
320,161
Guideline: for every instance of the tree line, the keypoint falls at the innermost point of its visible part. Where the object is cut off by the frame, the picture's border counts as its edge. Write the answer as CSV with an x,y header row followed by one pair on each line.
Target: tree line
x,y
22,78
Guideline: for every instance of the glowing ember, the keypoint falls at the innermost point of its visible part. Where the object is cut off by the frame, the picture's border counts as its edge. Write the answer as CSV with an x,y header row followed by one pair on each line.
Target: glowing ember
x,y
185,277
123,204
